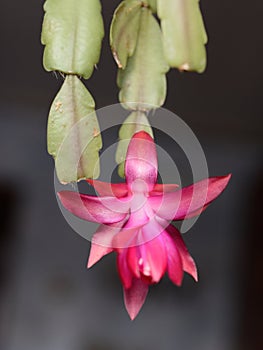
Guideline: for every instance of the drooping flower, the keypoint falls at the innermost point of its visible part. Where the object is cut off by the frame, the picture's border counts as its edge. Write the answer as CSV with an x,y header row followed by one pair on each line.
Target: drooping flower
x,y
135,220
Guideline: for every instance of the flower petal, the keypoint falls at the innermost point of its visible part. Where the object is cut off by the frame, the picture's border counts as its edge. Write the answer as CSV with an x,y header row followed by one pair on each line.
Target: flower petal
x,y
192,214
134,297
109,189
189,201
102,241
123,269
125,238
132,260
153,255
95,209
141,160
96,253
188,263
174,263
163,188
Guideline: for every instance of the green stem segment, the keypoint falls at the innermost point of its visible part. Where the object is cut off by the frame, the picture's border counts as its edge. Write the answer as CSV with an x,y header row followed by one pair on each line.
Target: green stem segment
x,y
136,42
144,52
72,35
184,35
73,132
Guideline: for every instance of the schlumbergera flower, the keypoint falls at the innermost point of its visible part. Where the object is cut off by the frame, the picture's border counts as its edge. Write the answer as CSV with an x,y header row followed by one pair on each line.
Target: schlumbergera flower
x,y
135,220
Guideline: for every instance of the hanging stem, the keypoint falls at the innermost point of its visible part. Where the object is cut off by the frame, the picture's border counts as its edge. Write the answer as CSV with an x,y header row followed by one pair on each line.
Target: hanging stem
x,y
72,37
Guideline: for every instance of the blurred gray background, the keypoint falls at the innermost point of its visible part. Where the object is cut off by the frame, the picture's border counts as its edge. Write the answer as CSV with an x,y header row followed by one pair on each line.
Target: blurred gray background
x,y
48,300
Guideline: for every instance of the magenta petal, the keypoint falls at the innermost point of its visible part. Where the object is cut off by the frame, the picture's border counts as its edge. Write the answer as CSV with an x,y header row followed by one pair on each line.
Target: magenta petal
x,y
163,188
187,261
132,260
123,269
192,214
96,253
134,297
125,238
189,201
108,189
153,256
174,264
102,241
105,233
138,215
141,160
95,209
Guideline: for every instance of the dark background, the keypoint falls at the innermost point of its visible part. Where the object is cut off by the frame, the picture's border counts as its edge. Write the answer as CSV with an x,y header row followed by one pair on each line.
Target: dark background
x,y
48,300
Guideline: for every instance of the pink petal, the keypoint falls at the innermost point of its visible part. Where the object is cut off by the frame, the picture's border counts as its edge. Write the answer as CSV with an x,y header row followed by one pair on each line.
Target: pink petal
x,y
95,209
96,253
163,188
195,213
138,212
141,160
134,297
109,189
102,241
189,201
150,231
106,232
153,256
187,261
132,260
174,265
123,269
125,238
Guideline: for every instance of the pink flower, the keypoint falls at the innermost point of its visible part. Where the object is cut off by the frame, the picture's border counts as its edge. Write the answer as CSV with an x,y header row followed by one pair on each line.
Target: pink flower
x,y
135,221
